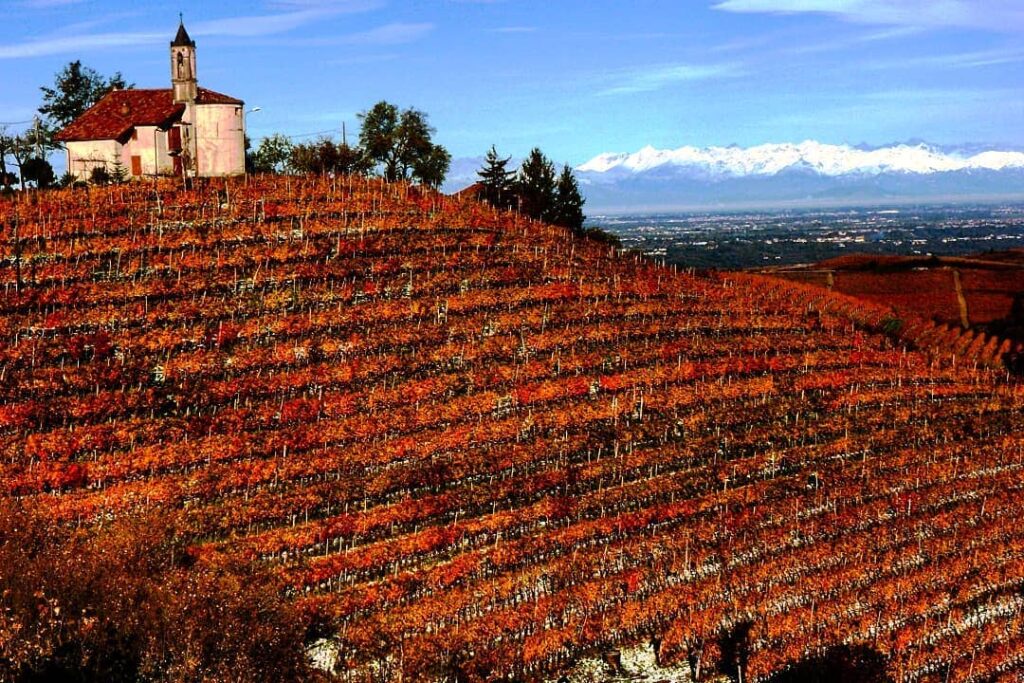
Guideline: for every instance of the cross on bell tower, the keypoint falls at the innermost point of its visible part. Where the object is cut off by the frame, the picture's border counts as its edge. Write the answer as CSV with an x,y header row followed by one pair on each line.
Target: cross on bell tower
x,y
183,65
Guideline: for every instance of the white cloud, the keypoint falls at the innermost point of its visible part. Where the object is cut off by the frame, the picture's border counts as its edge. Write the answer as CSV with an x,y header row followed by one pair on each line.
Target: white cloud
x,y
1002,15
389,34
956,60
47,4
72,39
649,79
514,29
79,43
303,12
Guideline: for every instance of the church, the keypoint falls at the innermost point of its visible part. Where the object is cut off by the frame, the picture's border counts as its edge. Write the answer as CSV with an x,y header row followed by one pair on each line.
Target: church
x,y
184,130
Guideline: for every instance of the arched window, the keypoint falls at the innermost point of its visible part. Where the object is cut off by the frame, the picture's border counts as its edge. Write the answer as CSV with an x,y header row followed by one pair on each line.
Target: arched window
x,y
181,65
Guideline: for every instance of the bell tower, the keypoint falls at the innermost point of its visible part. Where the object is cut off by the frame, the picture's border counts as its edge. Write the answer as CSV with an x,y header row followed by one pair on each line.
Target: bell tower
x,y
183,66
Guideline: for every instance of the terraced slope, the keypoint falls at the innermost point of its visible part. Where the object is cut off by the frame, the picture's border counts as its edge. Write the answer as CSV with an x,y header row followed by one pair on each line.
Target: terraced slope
x,y
475,447
983,294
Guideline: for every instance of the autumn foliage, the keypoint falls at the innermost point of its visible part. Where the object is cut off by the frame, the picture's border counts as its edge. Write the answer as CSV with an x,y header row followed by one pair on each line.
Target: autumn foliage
x,y
459,443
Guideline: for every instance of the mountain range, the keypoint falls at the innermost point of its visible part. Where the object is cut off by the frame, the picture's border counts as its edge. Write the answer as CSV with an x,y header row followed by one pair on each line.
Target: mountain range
x,y
808,173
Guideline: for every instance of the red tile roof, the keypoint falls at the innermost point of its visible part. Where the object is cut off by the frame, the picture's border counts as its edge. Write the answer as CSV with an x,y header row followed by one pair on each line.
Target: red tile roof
x,y
113,117
207,96
473,190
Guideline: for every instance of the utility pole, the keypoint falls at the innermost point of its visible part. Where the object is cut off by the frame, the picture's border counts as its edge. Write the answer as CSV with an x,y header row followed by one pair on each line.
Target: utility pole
x,y
39,139
344,136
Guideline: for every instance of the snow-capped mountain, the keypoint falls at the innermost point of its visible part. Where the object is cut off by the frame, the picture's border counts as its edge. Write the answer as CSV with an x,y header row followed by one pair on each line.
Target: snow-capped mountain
x,y
802,172
829,160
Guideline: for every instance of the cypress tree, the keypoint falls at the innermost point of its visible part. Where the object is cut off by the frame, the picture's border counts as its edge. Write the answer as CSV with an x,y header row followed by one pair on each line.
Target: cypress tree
x,y
568,209
536,186
496,181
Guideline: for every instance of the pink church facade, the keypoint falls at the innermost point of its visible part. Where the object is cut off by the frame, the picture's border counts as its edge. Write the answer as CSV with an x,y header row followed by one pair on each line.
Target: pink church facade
x,y
181,130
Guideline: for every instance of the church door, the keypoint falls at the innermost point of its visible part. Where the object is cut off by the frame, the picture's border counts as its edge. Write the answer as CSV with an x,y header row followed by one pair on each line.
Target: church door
x,y
136,165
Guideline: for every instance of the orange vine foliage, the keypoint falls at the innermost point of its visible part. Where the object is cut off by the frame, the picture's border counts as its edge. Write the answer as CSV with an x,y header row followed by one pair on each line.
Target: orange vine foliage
x,y
466,441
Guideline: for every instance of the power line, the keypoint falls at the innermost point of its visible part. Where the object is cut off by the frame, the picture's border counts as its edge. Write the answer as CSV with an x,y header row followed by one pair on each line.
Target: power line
x,y
307,135
15,123
302,135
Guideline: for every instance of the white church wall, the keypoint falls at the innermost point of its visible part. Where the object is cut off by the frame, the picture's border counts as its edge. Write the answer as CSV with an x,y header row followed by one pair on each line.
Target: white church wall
x,y
86,155
220,143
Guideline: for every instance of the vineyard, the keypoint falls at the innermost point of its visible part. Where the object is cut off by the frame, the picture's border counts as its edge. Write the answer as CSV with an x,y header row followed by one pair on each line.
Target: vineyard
x,y
471,447
983,293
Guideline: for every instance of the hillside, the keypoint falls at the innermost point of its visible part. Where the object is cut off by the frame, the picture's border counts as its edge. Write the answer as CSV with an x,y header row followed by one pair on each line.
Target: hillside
x,y
983,293
464,446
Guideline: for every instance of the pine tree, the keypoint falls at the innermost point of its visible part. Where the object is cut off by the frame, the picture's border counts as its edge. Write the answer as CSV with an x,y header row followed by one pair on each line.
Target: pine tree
x,y
536,186
568,209
497,182
120,173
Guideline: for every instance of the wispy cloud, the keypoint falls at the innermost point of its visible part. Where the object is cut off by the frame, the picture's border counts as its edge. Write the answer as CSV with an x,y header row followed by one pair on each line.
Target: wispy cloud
x,y
856,41
389,34
76,38
302,12
957,60
649,79
514,29
47,4
363,59
1001,15
76,43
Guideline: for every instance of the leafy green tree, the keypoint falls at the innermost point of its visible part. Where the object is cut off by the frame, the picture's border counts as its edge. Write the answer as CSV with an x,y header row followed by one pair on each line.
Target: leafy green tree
x,y
568,207
400,144
351,160
324,156
99,176
272,155
535,186
75,89
498,187
314,157
432,168
38,171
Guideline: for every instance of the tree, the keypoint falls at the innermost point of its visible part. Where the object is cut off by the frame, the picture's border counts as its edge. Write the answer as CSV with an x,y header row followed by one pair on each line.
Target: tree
x,y
324,156
352,160
119,174
272,155
568,208
318,157
99,175
6,148
400,145
75,89
39,171
535,186
18,148
432,169
497,182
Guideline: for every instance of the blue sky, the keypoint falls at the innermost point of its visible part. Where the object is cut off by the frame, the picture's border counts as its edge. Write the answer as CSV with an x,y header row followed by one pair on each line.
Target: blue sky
x,y
576,77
